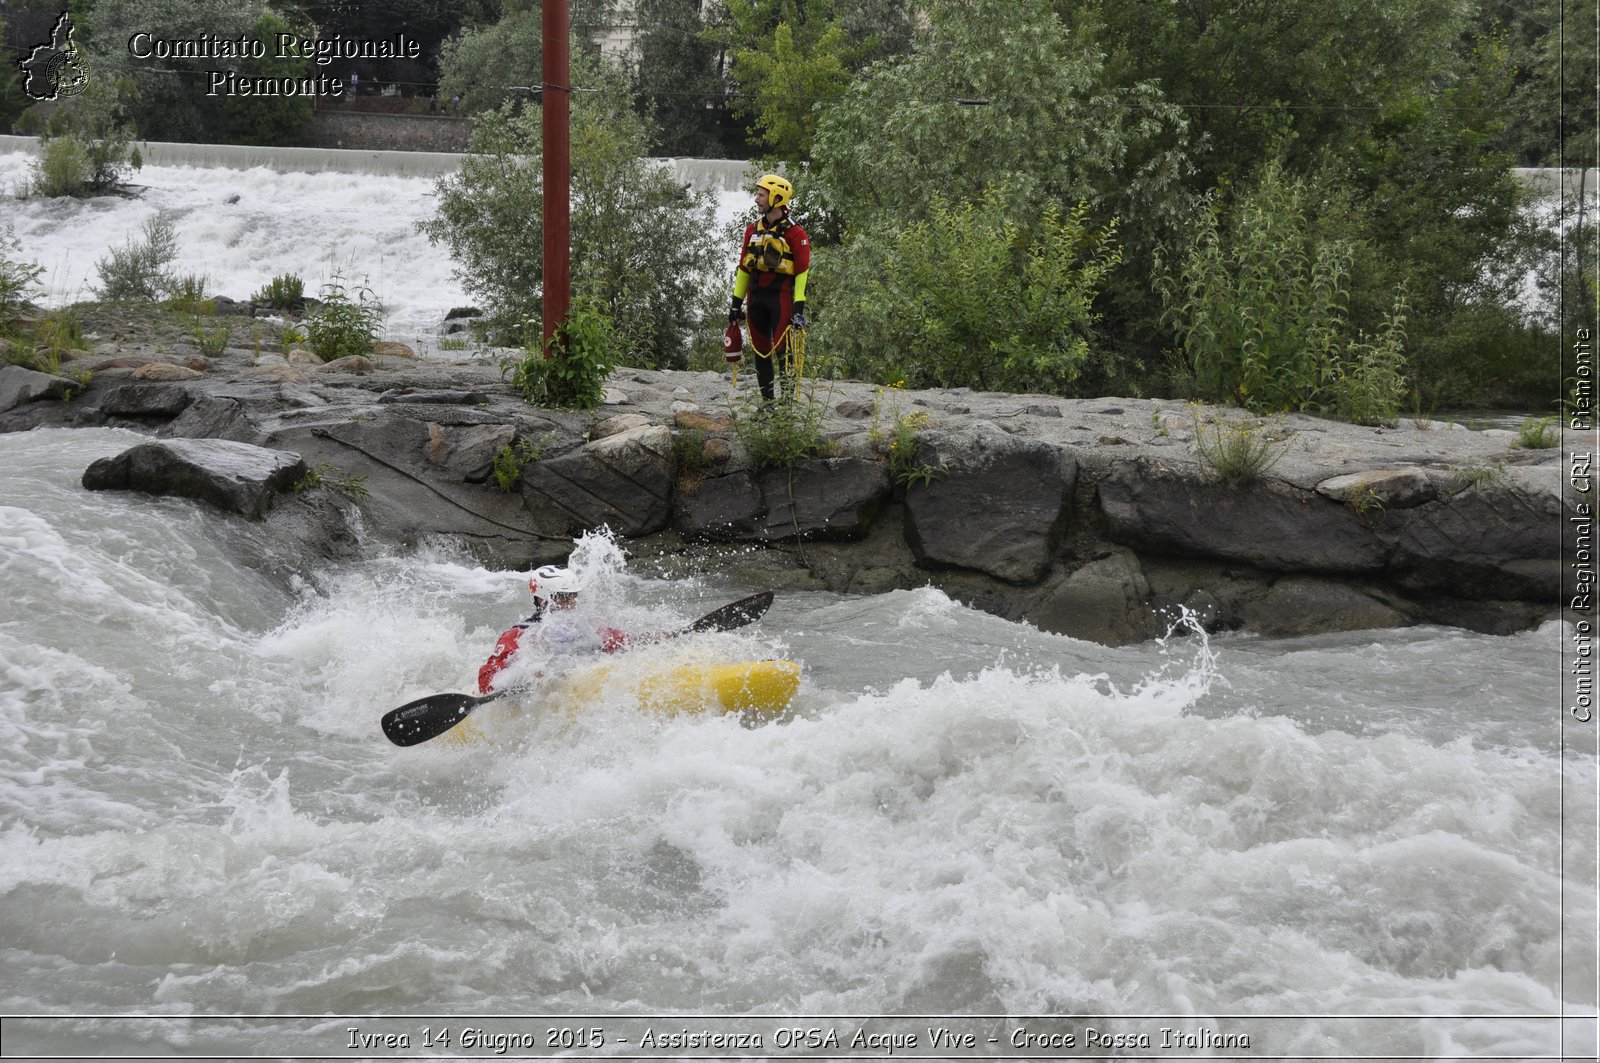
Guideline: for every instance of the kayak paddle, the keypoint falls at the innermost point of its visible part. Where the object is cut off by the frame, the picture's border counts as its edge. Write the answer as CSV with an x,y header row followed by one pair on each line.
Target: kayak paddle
x,y
417,721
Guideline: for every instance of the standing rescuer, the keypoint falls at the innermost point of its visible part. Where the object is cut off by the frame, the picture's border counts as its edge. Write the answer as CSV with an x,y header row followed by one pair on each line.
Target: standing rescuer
x,y
773,264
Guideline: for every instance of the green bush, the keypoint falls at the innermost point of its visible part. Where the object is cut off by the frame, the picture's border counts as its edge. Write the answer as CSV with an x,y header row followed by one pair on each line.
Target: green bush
x,y
777,434
345,323
973,296
582,354
1258,301
1239,449
87,145
642,247
1538,433
17,278
140,270
284,292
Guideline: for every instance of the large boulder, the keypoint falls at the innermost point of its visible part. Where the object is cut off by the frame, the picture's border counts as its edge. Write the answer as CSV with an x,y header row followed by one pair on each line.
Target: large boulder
x,y
998,503
1493,540
237,477
1168,509
720,507
623,481
19,385
822,498
833,499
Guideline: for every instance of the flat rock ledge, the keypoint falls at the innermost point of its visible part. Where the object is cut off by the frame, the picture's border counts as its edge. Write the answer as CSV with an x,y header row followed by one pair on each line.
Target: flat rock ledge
x,y
1092,518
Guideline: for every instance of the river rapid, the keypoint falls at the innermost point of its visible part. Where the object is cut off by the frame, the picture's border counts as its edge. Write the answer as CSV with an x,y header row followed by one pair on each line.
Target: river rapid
x,y
1372,844
1313,844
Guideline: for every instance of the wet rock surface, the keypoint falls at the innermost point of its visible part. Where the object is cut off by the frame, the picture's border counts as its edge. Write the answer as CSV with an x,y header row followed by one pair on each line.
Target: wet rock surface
x,y
1096,518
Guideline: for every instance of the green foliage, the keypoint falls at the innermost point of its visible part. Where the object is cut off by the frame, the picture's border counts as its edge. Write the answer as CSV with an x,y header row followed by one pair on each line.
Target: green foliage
x,y
269,119
140,270
970,296
898,443
1406,107
1258,301
484,63
510,459
786,56
1239,449
582,354
1538,433
680,83
284,292
1049,129
17,278
86,144
188,296
778,434
346,321
211,341
791,58
642,249
1553,50
324,475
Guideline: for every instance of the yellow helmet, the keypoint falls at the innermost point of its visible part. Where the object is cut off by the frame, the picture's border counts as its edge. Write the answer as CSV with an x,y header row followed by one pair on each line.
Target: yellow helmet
x,y
779,191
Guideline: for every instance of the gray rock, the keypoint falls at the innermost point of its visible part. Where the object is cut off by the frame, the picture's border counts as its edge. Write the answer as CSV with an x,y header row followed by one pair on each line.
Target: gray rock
x,y
1491,541
832,499
153,401
19,385
237,477
823,498
1306,605
466,452
1105,601
999,505
1152,506
726,507
435,398
1388,488
623,481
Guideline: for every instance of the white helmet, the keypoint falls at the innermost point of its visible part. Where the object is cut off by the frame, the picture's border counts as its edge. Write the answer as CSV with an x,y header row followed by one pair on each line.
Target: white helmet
x,y
550,580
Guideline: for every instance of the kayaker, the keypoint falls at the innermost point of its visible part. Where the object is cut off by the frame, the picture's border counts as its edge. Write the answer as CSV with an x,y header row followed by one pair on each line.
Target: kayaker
x,y
554,589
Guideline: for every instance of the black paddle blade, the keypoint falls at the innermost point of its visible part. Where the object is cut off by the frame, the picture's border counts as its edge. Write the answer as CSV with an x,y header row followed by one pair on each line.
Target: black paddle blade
x,y
735,614
429,717
417,721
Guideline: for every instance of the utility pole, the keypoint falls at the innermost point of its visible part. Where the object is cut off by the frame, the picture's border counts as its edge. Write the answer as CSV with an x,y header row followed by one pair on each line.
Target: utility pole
x,y
557,108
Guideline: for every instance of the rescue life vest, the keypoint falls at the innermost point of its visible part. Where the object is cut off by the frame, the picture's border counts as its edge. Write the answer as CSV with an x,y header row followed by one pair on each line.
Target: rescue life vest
x,y
768,250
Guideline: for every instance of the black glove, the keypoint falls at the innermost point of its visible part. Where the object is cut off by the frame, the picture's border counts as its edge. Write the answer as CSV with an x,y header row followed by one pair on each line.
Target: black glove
x,y
798,318
736,311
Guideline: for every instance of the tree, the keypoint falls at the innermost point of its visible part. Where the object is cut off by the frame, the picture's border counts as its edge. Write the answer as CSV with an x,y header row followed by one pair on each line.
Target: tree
x,y
268,119
679,78
86,143
1404,104
428,22
1258,300
792,58
969,296
168,99
493,63
642,248
997,95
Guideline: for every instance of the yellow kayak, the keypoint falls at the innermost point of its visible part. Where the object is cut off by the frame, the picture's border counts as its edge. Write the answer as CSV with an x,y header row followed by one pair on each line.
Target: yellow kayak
x,y
762,689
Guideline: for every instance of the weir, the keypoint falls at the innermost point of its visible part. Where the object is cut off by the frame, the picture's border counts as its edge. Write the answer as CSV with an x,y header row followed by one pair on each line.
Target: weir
x,y
708,175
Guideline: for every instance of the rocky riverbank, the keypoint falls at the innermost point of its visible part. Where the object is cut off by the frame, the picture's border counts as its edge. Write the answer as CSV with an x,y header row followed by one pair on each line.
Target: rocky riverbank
x,y
1095,518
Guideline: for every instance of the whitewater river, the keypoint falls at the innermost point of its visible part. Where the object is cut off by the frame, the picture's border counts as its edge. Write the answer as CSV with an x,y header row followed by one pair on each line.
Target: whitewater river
x,y
961,817
1371,845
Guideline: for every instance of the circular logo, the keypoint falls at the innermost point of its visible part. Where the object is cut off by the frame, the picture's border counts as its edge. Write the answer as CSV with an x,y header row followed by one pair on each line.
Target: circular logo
x,y
66,74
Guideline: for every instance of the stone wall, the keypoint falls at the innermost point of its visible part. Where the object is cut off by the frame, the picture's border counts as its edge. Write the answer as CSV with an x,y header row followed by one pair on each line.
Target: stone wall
x,y
389,132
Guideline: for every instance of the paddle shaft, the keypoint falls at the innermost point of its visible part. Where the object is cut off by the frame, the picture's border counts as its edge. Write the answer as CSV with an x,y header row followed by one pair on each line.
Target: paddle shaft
x,y
418,721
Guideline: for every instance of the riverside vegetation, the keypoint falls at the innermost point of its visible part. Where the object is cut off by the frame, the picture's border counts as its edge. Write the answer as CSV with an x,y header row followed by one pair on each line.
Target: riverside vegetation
x,y
1091,223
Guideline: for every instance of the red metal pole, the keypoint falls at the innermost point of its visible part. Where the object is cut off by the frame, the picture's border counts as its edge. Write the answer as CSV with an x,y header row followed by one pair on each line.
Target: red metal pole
x,y
557,97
